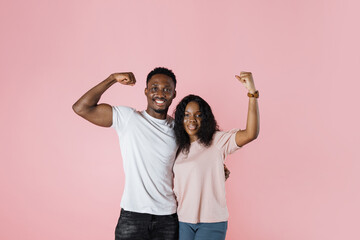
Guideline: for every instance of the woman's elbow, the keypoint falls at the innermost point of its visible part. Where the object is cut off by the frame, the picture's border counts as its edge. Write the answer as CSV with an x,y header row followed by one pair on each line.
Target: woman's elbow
x,y
254,136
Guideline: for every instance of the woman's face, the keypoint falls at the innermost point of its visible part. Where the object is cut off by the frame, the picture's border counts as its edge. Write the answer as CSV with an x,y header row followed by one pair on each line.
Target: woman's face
x,y
192,120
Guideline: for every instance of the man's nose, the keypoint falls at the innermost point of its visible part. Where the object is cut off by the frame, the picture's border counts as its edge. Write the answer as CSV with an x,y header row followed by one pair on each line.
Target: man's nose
x,y
160,93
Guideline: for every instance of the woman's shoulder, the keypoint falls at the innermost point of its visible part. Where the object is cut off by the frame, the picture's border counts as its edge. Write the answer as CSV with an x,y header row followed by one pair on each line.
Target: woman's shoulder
x,y
221,133
223,137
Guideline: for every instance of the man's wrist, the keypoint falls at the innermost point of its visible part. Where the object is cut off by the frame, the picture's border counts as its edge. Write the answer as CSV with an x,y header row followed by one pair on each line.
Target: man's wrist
x,y
112,79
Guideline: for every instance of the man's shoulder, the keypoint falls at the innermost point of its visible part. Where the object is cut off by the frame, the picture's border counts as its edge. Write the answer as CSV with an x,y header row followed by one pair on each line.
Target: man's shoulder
x,y
124,108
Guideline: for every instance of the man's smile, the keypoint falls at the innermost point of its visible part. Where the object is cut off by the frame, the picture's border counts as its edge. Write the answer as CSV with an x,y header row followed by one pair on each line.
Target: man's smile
x,y
159,101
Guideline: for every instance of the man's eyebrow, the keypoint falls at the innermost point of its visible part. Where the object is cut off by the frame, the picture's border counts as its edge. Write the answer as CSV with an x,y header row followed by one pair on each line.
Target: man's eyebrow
x,y
156,84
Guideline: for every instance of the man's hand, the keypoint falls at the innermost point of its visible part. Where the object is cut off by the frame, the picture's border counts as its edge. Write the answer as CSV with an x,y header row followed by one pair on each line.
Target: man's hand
x,y
247,80
227,172
126,78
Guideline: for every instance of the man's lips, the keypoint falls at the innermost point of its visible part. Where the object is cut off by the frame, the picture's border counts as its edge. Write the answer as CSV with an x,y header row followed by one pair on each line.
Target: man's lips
x,y
159,101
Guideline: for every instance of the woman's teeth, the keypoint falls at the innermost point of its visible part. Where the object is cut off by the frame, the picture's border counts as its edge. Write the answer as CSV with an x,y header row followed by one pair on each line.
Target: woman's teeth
x,y
192,127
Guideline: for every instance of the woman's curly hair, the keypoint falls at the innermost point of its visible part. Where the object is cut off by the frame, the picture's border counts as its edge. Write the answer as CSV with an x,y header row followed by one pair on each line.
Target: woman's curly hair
x,y
208,123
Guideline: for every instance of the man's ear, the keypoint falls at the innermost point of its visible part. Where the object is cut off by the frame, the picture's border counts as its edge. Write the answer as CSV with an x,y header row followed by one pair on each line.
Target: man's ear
x,y
174,94
145,91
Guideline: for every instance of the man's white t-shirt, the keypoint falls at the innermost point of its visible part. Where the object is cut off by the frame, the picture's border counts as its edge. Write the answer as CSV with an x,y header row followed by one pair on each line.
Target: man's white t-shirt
x,y
148,151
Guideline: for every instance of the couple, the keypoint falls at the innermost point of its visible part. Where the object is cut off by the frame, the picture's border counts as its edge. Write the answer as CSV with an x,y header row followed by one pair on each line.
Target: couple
x,y
174,174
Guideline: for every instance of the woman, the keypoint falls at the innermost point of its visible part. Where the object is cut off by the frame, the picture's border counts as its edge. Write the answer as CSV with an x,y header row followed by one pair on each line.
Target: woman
x,y
199,181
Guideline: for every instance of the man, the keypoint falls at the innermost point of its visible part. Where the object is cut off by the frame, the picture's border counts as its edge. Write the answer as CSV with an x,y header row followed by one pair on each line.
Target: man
x,y
148,147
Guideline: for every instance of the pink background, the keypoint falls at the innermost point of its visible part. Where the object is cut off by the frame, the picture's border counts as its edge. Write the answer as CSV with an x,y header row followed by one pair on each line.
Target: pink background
x,y
61,177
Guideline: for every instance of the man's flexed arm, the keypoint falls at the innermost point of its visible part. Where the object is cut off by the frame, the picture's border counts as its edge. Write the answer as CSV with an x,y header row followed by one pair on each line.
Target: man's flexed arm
x,y
100,114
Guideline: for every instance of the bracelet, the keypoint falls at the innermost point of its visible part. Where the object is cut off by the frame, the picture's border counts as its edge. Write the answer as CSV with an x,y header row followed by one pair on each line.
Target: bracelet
x,y
254,95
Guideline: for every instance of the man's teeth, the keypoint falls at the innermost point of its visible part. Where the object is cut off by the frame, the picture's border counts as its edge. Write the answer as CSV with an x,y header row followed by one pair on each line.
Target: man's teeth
x,y
159,101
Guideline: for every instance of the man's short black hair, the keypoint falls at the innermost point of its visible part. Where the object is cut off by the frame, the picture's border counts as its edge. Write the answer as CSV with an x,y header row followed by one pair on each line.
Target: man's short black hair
x,y
161,70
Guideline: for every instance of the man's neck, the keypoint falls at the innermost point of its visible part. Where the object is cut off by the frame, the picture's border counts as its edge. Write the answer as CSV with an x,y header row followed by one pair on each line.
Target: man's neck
x,y
154,114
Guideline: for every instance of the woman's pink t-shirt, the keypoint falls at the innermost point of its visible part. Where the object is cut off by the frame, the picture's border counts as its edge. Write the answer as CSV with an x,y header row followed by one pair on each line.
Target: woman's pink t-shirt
x,y
199,180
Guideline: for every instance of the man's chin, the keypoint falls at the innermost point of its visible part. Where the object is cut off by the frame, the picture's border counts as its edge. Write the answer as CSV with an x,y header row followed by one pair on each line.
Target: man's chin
x,y
161,111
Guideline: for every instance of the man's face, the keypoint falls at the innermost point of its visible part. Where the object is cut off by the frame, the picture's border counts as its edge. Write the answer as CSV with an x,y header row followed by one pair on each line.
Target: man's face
x,y
160,92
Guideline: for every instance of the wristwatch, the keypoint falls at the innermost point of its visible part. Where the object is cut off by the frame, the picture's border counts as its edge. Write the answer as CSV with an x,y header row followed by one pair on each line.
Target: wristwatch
x,y
255,94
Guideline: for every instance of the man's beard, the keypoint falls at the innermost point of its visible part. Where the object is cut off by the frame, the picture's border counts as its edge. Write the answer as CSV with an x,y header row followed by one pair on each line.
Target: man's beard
x,y
161,111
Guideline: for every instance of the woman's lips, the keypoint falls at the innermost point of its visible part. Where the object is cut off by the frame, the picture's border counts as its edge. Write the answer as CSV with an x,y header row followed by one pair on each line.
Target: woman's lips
x,y
192,127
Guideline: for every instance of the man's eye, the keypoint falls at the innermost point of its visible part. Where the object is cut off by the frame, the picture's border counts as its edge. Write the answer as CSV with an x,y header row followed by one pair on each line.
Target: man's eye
x,y
154,89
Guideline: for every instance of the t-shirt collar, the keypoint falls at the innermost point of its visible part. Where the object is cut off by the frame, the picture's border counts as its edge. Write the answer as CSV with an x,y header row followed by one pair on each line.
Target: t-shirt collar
x,y
148,116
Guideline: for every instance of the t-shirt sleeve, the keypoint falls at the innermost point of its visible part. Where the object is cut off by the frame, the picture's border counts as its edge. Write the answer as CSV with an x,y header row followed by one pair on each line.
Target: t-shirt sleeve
x,y
121,116
226,141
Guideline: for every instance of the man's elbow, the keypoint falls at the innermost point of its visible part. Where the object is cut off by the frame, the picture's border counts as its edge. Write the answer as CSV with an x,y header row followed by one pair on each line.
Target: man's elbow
x,y
78,109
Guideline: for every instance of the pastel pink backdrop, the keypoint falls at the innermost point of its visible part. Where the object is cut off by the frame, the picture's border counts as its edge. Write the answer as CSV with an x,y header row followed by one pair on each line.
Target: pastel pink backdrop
x,y
62,178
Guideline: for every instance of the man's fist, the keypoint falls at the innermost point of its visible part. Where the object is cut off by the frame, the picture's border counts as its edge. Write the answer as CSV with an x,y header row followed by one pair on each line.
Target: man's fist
x,y
126,78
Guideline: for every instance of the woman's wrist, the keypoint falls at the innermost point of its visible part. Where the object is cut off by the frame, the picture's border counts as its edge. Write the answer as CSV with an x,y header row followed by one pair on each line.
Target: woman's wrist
x,y
253,94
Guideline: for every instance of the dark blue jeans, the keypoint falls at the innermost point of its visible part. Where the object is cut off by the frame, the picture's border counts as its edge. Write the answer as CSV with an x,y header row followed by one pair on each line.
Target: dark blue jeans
x,y
143,226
